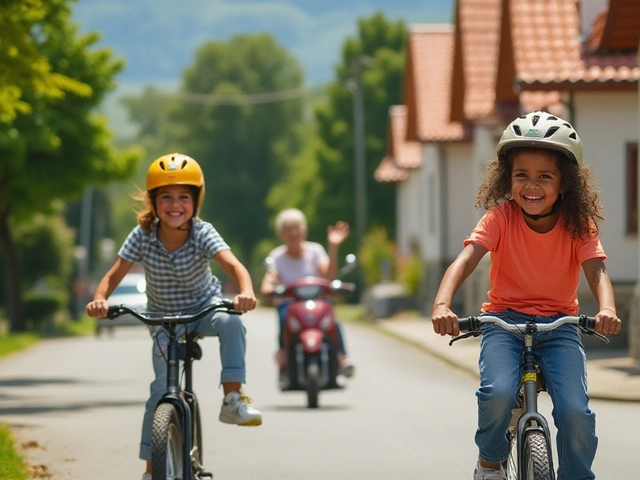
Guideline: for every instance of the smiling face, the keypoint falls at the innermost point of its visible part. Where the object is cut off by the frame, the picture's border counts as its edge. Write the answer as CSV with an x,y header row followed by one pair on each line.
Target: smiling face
x,y
174,205
293,234
536,182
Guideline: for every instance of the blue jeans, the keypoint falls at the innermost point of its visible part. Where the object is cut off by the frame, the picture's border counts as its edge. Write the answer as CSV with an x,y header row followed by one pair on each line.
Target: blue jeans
x,y
231,332
562,361
283,308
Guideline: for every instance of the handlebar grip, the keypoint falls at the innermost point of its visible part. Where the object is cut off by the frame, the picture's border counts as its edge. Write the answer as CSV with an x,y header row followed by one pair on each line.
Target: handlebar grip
x,y
587,322
468,324
114,311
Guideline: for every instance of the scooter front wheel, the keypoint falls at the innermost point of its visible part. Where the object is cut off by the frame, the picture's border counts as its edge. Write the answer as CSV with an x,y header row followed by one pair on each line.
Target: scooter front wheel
x,y
313,383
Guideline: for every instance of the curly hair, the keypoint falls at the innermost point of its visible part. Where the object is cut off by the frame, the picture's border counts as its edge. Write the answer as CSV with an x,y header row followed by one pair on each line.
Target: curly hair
x,y
580,202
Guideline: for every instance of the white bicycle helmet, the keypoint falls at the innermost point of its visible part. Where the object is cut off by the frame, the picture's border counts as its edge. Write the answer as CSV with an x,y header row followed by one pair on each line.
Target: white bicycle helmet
x,y
541,130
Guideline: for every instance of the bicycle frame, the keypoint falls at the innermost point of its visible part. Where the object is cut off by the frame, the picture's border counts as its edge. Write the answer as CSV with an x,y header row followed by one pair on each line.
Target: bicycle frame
x,y
530,419
529,389
184,401
172,395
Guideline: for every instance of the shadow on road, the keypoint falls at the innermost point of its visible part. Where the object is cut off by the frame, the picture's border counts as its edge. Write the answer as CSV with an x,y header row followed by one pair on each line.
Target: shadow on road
x,y
32,382
300,408
26,409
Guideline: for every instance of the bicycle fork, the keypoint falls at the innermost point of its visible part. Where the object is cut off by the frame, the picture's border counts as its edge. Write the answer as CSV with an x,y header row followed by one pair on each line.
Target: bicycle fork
x,y
531,419
182,407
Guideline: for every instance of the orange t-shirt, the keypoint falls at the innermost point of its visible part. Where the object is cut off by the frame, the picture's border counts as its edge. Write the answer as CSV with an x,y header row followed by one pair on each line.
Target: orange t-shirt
x,y
533,273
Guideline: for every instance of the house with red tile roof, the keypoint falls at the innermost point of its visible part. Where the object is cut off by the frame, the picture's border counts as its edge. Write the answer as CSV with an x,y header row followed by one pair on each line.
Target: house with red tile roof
x,y
502,58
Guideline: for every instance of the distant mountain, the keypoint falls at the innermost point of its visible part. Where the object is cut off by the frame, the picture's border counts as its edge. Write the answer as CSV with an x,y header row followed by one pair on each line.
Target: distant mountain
x,y
157,38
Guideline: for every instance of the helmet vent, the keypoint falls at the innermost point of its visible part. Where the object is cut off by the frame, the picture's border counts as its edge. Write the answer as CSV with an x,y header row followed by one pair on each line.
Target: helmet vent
x,y
534,120
567,125
551,117
184,164
517,130
573,135
551,131
162,166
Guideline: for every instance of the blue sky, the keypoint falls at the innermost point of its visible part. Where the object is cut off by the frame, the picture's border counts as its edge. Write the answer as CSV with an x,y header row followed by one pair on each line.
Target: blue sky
x,y
157,38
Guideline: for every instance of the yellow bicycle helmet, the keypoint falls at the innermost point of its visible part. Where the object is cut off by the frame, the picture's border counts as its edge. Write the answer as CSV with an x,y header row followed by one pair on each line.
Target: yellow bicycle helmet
x,y
542,130
176,169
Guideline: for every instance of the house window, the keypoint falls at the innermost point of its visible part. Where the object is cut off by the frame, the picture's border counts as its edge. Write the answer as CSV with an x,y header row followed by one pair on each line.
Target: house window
x,y
632,187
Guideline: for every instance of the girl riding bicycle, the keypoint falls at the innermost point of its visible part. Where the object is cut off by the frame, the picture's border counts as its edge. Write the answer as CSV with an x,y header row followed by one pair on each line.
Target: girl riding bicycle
x,y
175,248
541,228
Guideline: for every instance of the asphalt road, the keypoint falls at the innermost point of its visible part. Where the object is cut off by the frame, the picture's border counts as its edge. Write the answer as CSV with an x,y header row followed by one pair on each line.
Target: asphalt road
x,y
77,405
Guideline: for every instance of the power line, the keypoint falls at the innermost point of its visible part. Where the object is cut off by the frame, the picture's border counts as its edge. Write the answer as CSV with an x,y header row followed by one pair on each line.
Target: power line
x,y
238,99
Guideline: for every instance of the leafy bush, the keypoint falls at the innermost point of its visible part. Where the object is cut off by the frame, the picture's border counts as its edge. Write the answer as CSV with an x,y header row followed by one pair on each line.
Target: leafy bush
x,y
376,254
41,306
410,273
45,246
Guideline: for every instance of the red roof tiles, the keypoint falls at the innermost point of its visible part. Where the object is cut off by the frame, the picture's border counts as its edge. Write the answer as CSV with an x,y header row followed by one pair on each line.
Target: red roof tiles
x,y
428,86
401,154
549,54
477,38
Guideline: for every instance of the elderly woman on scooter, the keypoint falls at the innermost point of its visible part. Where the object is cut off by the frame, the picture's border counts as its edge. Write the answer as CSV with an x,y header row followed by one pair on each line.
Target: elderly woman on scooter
x,y
298,258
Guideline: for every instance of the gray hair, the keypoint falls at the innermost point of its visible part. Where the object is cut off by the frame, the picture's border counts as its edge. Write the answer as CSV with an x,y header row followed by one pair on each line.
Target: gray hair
x,y
290,216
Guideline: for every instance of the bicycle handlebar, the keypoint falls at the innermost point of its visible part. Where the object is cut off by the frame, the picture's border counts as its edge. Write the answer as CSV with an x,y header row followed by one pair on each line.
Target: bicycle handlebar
x,y
160,319
473,323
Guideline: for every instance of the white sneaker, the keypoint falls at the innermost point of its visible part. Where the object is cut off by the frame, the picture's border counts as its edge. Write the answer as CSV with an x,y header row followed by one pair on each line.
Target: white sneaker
x,y
237,410
481,473
146,476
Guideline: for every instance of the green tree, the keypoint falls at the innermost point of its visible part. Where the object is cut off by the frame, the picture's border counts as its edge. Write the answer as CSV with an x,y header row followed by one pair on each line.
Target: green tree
x,y
242,144
24,66
57,146
321,179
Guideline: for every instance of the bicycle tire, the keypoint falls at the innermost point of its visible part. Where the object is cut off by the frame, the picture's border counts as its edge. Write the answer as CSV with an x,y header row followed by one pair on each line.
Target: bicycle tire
x,y
196,445
166,444
511,464
537,461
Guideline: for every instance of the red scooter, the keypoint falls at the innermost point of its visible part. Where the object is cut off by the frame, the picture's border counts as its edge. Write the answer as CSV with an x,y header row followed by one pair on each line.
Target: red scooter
x,y
310,333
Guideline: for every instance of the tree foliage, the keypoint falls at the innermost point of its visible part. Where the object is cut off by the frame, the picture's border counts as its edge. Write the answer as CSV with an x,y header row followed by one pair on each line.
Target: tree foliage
x,y
322,178
55,147
241,145
24,65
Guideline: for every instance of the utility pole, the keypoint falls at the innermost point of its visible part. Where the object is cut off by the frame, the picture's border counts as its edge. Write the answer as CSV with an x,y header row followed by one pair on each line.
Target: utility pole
x,y
355,86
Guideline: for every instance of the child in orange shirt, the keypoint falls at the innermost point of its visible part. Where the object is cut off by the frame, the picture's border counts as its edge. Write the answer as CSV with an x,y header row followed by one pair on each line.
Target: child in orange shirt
x,y
541,228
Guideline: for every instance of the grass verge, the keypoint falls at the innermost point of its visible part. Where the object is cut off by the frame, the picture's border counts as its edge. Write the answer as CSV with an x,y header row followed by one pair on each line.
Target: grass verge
x,y
346,312
12,465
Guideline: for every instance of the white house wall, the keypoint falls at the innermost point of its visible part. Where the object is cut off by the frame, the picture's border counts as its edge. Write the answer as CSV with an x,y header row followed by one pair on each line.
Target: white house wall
x,y
461,185
606,122
410,207
430,216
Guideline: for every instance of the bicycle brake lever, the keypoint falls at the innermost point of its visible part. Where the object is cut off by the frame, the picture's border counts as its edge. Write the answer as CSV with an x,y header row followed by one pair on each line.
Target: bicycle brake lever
x,y
472,333
589,331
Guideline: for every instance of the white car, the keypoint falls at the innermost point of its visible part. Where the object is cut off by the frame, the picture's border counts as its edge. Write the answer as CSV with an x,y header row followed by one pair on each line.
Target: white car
x,y
130,292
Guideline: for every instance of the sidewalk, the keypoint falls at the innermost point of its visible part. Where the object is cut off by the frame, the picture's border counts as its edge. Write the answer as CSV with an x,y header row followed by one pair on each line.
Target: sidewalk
x,y
612,375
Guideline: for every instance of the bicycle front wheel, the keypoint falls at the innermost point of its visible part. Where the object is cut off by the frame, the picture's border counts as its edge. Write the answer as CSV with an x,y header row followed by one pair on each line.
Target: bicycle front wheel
x,y
196,442
511,464
167,460
537,461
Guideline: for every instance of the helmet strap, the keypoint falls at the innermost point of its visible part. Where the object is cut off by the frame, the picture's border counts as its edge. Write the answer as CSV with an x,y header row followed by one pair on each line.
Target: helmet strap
x,y
538,217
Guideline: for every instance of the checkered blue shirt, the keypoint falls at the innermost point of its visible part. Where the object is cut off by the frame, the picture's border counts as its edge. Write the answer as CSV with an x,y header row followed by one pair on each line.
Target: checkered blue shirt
x,y
181,280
